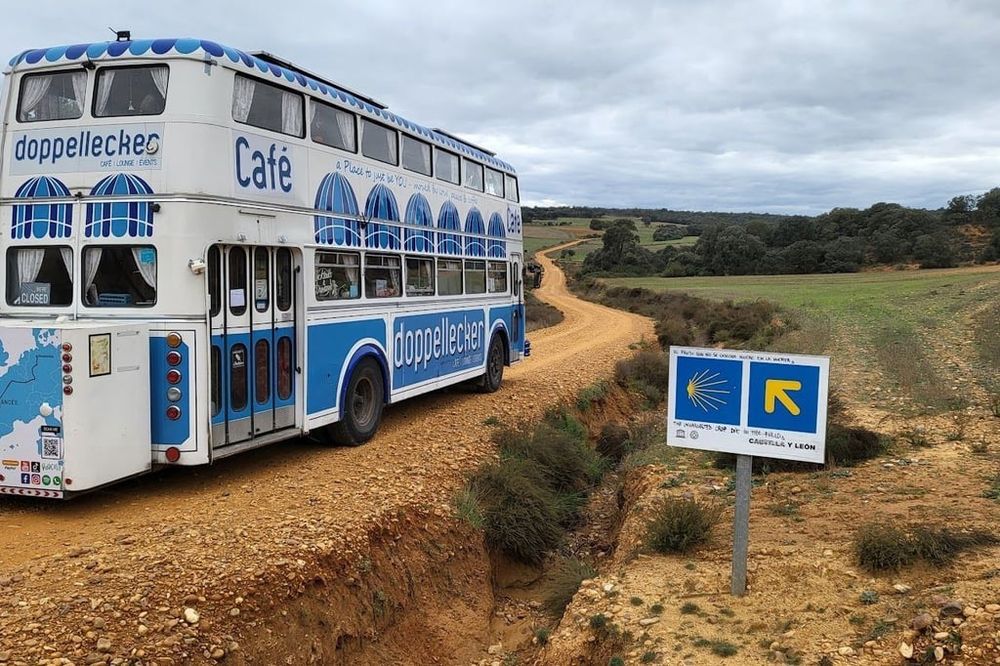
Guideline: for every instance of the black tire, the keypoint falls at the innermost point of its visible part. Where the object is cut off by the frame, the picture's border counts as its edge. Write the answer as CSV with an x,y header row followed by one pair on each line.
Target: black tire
x,y
364,399
495,359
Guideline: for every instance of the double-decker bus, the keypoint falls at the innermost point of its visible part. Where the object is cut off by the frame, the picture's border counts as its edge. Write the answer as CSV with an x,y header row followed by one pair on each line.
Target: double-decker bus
x,y
208,250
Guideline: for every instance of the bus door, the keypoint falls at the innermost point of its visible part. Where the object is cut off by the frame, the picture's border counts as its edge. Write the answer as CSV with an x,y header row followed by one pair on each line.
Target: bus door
x,y
516,286
253,341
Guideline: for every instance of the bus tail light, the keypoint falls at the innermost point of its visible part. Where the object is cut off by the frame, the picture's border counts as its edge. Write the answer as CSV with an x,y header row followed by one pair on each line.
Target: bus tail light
x,y
174,376
173,454
67,347
173,412
174,357
67,389
174,340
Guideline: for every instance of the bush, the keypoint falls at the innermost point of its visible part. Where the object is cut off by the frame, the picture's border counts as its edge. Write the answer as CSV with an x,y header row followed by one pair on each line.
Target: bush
x,y
596,392
613,442
521,514
848,446
648,372
881,547
681,524
563,582
563,460
993,492
674,331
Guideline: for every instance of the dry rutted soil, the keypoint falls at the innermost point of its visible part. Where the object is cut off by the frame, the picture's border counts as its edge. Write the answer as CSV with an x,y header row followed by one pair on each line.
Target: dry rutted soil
x,y
297,553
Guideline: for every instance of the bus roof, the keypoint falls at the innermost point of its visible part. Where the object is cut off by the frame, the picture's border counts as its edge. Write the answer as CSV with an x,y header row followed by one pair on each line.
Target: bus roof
x,y
202,49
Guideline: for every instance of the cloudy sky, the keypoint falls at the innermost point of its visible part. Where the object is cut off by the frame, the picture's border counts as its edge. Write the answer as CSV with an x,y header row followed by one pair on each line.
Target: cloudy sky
x,y
762,105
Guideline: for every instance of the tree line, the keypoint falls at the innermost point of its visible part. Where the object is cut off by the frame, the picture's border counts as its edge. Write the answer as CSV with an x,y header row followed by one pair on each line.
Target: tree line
x,y
841,241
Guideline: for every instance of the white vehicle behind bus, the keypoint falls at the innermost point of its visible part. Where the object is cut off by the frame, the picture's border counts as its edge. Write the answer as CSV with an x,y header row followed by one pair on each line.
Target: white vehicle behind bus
x,y
211,250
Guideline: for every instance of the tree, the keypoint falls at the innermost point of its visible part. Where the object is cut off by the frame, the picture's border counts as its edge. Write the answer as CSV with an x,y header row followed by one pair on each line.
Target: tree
x,y
666,232
803,257
934,250
730,251
843,255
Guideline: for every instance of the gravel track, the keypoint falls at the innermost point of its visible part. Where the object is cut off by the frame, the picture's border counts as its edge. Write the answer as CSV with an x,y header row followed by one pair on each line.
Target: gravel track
x,y
108,578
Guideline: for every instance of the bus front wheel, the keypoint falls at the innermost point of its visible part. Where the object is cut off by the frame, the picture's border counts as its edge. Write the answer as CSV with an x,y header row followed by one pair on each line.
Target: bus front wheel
x,y
361,412
493,376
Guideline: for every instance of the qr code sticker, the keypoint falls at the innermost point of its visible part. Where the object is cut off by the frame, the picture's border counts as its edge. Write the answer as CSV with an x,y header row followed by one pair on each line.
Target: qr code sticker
x,y
51,447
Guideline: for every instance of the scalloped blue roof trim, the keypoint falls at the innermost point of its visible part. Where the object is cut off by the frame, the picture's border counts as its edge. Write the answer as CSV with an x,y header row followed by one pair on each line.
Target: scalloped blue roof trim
x,y
187,46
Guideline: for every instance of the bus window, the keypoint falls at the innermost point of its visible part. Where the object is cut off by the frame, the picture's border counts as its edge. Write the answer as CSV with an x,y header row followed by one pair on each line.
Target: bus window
x,y
416,155
261,279
119,276
283,278
332,127
337,276
511,187
268,107
284,368
473,175
216,382
214,280
131,91
419,276
382,276
446,165
475,276
237,281
449,277
40,276
262,371
378,142
496,277
494,183
57,96
238,388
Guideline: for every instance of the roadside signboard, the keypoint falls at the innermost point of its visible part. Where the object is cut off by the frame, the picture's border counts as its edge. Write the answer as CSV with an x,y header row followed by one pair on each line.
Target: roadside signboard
x,y
766,404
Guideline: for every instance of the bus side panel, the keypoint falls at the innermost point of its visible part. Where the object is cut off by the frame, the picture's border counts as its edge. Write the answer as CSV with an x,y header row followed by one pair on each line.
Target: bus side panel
x,y
329,346
429,347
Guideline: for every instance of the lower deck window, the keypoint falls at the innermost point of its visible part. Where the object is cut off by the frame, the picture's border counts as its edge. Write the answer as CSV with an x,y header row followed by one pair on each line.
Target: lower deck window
x,y
337,276
119,276
475,277
496,277
383,277
419,277
449,277
40,276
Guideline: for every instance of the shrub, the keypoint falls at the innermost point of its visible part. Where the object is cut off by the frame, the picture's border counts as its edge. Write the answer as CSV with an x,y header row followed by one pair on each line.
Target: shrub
x,y
848,446
562,458
594,393
718,647
995,405
647,372
648,657
881,547
521,514
563,582
598,622
467,507
656,609
673,330
542,636
681,524
689,608
869,597
916,438
613,442
993,492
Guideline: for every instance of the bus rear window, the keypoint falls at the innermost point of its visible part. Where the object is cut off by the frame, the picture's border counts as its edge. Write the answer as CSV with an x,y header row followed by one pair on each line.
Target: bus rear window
x,y
131,91
57,96
121,276
40,276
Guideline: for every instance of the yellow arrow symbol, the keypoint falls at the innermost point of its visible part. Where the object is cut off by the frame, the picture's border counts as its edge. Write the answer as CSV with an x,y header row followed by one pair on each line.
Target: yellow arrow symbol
x,y
776,389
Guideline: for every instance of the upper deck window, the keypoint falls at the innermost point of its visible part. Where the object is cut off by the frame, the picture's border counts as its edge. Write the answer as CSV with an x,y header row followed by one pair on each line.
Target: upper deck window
x,y
379,142
494,183
268,107
446,165
473,175
57,96
332,127
416,155
511,187
131,91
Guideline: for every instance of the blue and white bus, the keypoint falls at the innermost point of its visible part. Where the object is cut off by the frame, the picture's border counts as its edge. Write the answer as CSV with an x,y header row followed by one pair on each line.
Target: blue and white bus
x,y
211,250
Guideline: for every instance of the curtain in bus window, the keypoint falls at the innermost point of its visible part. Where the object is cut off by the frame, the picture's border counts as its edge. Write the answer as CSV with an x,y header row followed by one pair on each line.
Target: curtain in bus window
x,y
29,263
104,82
147,269
345,122
291,113
242,98
352,264
67,257
159,76
91,262
33,92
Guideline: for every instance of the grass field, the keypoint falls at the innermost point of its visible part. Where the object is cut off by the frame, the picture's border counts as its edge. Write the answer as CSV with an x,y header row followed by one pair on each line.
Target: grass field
x,y
925,338
538,237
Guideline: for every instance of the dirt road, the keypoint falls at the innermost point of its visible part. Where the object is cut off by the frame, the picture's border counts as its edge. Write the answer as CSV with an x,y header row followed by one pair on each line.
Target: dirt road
x,y
109,575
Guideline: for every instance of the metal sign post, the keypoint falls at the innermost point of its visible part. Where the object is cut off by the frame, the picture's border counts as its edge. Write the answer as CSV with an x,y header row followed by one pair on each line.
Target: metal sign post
x,y
741,524
765,404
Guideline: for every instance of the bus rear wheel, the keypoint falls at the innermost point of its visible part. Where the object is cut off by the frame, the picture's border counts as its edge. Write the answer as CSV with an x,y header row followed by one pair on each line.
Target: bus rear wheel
x,y
361,412
493,376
